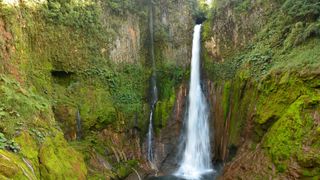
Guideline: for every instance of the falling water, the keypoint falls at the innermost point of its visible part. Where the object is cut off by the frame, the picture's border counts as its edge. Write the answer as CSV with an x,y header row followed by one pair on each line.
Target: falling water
x,y
154,99
196,159
154,91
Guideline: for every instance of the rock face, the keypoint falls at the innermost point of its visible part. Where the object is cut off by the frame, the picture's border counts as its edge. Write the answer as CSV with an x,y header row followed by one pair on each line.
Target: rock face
x,y
257,125
173,31
126,46
169,138
64,59
264,102
233,26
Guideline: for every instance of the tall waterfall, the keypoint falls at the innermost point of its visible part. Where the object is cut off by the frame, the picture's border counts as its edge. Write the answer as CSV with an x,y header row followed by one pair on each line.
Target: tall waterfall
x,y
196,159
153,92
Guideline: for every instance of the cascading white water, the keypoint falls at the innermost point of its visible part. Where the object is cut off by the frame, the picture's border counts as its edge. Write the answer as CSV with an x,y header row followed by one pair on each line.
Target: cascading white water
x,y
196,159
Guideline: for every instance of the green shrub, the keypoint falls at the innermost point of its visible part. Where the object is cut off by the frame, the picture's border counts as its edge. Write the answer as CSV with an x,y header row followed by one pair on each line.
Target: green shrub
x,y
127,87
19,105
302,8
10,145
120,7
169,77
83,15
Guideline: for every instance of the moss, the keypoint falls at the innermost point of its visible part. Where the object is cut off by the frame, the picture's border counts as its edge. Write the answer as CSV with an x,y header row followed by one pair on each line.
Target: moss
x,y
303,56
309,159
226,99
163,111
124,170
29,150
66,115
243,98
58,160
275,97
169,77
95,114
13,167
274,94
59,57
311,173
283,142
104,154
21,105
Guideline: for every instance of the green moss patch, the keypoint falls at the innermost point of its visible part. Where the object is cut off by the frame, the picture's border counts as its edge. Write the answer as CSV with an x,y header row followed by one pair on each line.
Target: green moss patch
x,y
12,166
58,160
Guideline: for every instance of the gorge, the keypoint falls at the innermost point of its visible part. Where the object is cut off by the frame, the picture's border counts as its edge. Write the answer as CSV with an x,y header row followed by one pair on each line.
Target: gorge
x,y
96,89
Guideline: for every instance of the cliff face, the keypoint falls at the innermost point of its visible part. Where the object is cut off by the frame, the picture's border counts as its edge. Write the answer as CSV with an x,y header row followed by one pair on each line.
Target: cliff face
x,y
264,94
74,77
174,39
233,24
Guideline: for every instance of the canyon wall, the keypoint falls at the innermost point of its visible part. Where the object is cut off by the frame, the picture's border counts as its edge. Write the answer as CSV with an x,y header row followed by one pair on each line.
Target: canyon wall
x,y
74,77
262,70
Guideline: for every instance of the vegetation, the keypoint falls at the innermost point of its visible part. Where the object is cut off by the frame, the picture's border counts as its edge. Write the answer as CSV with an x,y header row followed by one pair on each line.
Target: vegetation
x,y
272,79
57,73
295,25
56,70
84,15
8,144
58,61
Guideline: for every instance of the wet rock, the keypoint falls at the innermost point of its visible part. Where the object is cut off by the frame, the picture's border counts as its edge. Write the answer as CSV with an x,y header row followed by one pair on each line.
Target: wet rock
x,y
13,167
66,115
167,142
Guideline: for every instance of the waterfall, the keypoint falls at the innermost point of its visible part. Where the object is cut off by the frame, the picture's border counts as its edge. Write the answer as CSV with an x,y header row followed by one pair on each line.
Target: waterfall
x,y
153,92
196,160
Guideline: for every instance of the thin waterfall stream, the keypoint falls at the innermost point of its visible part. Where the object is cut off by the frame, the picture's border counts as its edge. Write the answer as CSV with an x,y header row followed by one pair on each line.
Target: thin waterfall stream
x,y
154,92
196,160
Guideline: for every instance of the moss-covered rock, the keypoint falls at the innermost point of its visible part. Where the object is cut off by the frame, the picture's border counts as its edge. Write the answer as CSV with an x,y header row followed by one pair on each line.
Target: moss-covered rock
x,y
273,101
67,116
30,151
13,166
59,161
285,137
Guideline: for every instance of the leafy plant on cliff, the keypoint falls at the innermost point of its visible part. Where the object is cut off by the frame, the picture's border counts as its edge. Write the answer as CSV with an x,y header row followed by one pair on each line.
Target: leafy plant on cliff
x,y
169,77
19,104
127,85
121,6
76,14
8,144
302,9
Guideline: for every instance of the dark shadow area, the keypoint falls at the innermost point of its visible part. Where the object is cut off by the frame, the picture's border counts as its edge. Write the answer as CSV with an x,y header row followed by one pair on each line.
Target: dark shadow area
x,y
61,74
232,151
61,77
200,19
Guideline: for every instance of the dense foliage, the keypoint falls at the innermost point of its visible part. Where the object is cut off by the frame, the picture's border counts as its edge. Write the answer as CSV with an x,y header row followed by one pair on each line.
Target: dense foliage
x,y
301,9
296,24
269,83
